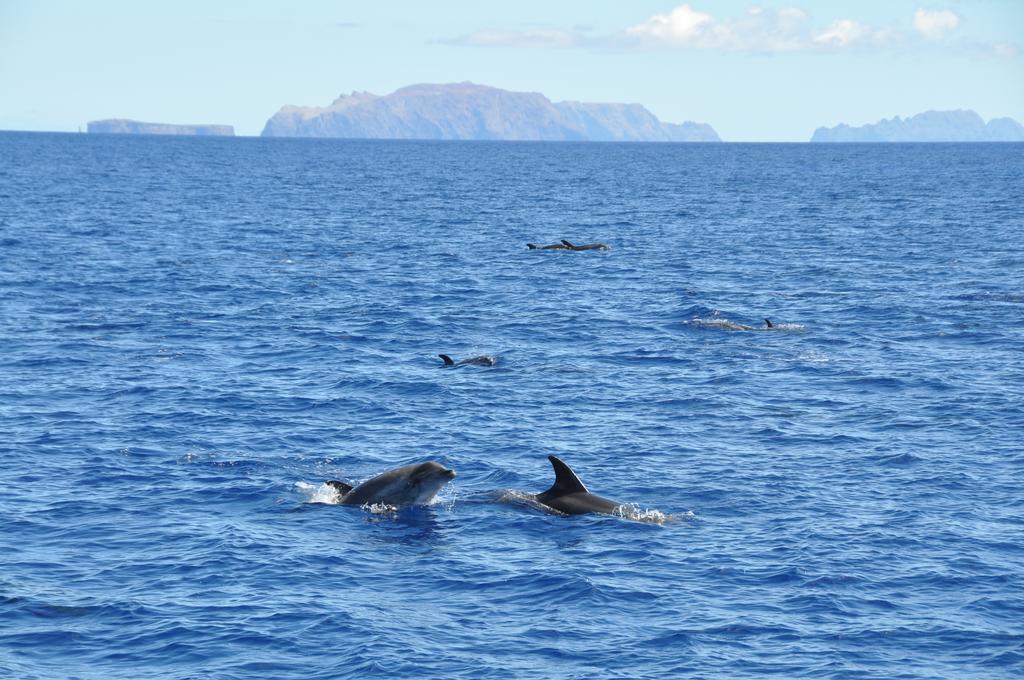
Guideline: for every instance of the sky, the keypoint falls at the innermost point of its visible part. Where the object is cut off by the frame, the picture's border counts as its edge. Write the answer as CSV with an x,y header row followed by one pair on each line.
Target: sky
x,y
768,71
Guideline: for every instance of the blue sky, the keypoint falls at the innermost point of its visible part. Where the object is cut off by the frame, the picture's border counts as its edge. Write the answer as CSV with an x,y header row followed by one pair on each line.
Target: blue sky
x,y
767,71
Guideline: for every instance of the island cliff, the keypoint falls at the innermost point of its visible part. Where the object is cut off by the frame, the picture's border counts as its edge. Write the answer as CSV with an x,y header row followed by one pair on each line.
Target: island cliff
x,y
930,126
121,126
469,111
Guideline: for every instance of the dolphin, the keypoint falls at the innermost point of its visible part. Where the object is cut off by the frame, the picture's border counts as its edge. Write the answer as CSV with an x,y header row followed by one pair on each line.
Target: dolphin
x,y
589,246
415,484
482,360
553,246
568,494
726,325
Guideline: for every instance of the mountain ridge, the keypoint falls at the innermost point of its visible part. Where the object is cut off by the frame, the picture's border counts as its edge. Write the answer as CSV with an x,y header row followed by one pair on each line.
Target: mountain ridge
x,y
960,125
124,126
470,111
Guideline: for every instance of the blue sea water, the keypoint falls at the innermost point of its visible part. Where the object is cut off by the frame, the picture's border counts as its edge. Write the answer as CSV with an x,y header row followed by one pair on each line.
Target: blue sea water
x,y
196,333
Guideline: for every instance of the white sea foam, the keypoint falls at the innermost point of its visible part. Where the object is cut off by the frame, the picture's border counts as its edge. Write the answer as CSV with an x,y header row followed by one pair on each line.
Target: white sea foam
x,y
379,508
386,508
445,498
318,493
632,511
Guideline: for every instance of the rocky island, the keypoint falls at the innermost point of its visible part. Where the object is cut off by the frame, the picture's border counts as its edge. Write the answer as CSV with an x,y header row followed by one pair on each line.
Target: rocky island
x,y
470,111
121,126
930,126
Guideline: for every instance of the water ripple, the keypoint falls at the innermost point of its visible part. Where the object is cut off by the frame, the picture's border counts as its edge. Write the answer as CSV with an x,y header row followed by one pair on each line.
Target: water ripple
x,y
199,332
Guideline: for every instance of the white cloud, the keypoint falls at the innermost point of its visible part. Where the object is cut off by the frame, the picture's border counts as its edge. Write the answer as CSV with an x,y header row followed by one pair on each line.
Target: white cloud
x,y
757,30
540,38
681,26
842,33
933,24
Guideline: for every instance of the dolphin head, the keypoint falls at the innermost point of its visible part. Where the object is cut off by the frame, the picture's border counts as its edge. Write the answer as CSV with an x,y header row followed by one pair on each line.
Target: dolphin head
x,y
425,480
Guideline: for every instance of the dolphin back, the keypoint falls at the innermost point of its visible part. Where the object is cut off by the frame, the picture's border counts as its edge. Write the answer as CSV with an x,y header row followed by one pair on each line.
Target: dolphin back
x,y
589,246
415,484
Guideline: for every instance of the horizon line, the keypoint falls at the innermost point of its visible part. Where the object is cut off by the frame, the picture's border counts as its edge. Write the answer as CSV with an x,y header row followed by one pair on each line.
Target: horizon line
x,y
492,141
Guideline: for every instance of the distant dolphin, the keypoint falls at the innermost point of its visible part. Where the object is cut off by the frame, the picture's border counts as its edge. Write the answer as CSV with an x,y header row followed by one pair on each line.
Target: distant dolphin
x,y
727,325
553,246
409,485
589,246
482,360
568,494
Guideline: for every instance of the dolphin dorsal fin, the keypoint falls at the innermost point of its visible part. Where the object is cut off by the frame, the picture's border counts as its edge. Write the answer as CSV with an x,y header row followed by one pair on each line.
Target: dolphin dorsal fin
x,y
566,480
567,244
447,360
769,322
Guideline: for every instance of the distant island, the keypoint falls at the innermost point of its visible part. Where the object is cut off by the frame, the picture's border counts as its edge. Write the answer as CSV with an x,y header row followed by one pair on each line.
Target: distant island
x,y
120,126
930,126
469,111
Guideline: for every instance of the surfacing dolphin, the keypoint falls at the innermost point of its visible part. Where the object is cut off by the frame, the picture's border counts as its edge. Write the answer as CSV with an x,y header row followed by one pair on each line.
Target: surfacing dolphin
x,y
553,246
726,325
568,494
482,360
588,246
415,484
743,327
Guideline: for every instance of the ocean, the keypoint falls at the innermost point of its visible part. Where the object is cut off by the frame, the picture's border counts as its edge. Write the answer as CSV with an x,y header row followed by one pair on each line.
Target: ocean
x,y
198,332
